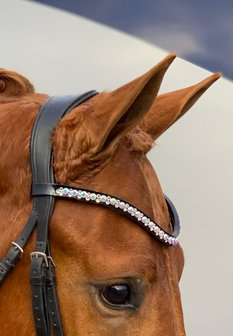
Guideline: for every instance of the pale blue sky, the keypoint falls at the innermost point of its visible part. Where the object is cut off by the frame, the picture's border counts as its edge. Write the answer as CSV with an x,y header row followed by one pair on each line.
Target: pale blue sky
x,y
199,31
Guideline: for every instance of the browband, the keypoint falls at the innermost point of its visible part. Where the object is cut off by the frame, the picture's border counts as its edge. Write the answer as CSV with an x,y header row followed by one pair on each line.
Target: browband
x,y
114,203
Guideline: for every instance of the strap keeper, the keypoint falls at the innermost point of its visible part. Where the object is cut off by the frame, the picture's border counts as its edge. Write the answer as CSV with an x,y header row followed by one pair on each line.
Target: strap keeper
x,y
40,254
51,260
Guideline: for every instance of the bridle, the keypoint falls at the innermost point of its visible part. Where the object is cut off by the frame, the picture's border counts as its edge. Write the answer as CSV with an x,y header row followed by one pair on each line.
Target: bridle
x,y
44,190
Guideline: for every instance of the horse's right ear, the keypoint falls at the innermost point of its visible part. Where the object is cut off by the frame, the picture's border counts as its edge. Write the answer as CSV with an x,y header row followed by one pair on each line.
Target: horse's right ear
x,y
171,106
13,84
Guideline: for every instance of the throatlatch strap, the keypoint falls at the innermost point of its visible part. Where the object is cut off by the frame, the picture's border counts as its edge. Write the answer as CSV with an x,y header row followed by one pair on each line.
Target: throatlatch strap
x,y
8,263
44,296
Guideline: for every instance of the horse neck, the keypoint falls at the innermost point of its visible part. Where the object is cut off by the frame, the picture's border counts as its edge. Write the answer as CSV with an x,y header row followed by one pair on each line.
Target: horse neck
x,y
16,119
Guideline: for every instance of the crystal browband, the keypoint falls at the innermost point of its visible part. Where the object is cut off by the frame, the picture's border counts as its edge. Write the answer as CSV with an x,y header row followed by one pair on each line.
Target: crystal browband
x,y
117,204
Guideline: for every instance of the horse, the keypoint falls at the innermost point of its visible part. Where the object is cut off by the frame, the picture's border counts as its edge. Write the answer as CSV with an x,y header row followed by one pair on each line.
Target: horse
x,y
113,278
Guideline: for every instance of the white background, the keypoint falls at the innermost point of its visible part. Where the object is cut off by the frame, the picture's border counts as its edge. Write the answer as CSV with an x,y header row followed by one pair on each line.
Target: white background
x,y
62,53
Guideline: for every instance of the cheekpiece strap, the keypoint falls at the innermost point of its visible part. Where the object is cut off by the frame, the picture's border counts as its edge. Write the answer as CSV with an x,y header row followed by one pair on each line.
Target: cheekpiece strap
x,y
44,295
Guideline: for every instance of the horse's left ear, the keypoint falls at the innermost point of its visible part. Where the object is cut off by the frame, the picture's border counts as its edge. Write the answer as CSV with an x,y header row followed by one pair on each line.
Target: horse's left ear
x,y
169,107
94,129
116,113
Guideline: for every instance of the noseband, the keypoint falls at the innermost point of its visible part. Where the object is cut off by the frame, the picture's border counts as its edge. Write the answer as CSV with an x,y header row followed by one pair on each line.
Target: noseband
x,y
44,191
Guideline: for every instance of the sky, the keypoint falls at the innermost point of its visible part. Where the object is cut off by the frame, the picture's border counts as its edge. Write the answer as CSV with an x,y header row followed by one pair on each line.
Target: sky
x,y
200,31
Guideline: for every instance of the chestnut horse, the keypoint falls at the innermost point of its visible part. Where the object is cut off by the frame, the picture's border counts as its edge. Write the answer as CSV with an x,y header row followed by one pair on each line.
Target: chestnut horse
x,y
113,278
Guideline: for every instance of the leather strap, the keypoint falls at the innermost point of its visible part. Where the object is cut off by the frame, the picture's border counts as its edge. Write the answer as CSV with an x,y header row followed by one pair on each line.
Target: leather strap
x,y
52,299
41,155
44,296
8,263
175,221
38,285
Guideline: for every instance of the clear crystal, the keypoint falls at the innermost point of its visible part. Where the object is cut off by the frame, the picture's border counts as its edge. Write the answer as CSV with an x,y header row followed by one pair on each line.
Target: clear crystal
x,y
137,213
161,234
126,207
165,237
151,226
144,220
133,212
122,205
59,191
88,197
83,194
113,201
156,230
140,216
130,209
65,191
93,197
74,193
103,198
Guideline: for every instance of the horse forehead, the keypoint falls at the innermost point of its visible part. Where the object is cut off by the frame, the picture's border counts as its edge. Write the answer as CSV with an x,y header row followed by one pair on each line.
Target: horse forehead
x,y
130,176
111,262
124,178
107,244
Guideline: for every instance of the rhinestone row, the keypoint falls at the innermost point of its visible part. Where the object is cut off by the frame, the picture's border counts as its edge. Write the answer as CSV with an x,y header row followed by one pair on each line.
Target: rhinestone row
x,y
117,203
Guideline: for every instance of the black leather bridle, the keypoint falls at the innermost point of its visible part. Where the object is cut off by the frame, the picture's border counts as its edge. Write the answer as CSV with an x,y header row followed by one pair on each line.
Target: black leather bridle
x,y
44,190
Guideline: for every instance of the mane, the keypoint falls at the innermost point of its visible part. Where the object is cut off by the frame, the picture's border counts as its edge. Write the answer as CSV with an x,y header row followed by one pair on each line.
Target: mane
x,y
13,84
139,141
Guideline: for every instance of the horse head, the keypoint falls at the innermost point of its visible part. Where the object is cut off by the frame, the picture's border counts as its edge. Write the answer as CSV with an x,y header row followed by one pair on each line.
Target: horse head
x,y
113,278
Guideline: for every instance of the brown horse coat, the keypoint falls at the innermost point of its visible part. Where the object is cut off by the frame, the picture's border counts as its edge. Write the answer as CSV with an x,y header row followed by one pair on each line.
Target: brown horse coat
x,y
101,145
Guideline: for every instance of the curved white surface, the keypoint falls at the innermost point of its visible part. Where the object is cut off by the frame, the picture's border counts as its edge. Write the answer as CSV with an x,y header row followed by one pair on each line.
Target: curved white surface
x,y
62,53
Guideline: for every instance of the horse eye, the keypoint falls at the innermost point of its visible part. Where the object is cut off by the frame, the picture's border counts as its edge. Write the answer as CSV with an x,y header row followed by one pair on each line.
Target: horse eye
x,y
116,295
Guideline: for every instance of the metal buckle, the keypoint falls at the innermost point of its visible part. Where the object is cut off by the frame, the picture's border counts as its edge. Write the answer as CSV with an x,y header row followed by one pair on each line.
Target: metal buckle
x,y
40,254
18,248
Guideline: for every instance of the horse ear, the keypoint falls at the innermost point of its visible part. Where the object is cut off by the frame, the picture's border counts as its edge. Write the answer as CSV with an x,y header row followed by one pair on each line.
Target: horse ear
x,y
93,130
13,84
169,107
117,112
